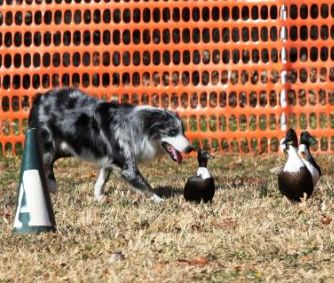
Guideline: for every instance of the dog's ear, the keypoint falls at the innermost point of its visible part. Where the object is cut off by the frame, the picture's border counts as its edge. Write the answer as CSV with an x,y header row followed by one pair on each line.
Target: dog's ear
x,y
173,113
153,117
160,115
101,113
153,121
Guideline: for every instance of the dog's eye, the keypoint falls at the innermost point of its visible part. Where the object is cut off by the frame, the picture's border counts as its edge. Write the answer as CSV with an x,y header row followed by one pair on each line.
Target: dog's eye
x,y
172,133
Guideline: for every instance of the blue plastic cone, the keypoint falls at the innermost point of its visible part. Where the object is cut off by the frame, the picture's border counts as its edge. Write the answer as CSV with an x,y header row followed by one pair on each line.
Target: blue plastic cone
x,y
34,213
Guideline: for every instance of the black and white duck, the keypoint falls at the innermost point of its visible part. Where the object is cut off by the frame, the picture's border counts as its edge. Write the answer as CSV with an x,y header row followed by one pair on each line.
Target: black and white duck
x,y
200,187
295,180
306,140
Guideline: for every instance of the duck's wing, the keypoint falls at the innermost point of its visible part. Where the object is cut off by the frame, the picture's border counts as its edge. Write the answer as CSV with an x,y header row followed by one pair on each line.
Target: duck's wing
x,y
315,164
191,192
208,189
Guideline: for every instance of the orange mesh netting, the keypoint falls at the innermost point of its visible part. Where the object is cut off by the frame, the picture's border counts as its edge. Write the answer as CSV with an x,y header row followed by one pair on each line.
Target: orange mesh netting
x,y
238,72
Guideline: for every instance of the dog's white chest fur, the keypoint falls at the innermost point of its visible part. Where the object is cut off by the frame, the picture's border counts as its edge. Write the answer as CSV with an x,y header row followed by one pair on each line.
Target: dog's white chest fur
x,y
203,173
147,150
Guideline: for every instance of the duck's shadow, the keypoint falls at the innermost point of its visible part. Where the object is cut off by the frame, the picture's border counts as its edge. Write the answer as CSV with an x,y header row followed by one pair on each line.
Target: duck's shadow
x,y
168,192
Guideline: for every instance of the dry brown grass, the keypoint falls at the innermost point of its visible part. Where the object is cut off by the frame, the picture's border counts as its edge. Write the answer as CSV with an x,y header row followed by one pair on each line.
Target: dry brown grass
x,y
249,232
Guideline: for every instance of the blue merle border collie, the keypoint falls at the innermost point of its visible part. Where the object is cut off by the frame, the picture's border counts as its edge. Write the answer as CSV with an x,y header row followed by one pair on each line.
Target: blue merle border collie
x,y
71,123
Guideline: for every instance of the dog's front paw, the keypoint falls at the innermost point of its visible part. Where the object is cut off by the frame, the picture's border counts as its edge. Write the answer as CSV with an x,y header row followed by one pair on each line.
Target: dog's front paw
x,y
156,199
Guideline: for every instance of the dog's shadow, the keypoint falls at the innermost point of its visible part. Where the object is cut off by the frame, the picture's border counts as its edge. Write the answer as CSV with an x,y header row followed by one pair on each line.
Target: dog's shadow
x,y
168,192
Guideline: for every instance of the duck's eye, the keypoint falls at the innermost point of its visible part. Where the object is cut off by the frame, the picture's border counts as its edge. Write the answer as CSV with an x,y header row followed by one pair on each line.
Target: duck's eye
x,y
172,133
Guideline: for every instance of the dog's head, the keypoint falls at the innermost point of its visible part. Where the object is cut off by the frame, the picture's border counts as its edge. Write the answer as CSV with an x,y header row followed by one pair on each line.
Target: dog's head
x,y
166,128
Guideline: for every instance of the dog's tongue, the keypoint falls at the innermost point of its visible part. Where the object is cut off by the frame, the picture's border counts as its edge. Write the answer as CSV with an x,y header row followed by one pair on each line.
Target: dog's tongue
x,y
176,155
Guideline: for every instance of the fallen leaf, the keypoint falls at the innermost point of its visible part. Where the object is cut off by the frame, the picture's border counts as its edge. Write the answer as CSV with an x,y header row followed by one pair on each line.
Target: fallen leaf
x,y
89,175
306,258
326,219
159,267
256,181
198,261
226,223
106,200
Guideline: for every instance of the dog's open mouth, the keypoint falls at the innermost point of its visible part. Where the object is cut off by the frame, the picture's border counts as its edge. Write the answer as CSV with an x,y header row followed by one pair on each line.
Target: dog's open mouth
x,y
173,153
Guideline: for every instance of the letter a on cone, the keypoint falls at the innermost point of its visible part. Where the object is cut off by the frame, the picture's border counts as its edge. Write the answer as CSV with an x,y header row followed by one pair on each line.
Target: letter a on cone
x,y
34,213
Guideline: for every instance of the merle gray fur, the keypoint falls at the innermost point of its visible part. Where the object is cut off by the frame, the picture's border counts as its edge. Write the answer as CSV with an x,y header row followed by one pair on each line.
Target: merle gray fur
x,y
71,123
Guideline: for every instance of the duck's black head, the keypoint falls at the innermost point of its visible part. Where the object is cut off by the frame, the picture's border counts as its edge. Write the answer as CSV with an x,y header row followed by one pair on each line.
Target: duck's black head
x,y
291,139
307,139
203,156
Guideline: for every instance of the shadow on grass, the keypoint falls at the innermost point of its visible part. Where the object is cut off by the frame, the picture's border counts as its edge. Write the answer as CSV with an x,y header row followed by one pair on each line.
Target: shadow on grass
x,y
236,183
168,192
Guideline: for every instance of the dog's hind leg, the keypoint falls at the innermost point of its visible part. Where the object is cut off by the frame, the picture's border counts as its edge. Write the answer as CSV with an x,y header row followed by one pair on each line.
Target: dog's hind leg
x,y
49,157
138,182
102,178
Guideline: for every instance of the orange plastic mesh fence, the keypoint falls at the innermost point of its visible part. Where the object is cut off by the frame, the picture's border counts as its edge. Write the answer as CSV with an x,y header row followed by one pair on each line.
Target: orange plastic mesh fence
x,y
238,72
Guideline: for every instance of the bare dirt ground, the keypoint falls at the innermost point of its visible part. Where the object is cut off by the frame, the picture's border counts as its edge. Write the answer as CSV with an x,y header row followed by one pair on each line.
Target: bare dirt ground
x,y
248,233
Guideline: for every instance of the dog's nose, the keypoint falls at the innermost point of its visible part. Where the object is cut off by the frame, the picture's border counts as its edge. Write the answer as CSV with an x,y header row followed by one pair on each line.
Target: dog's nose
x,y
188,149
